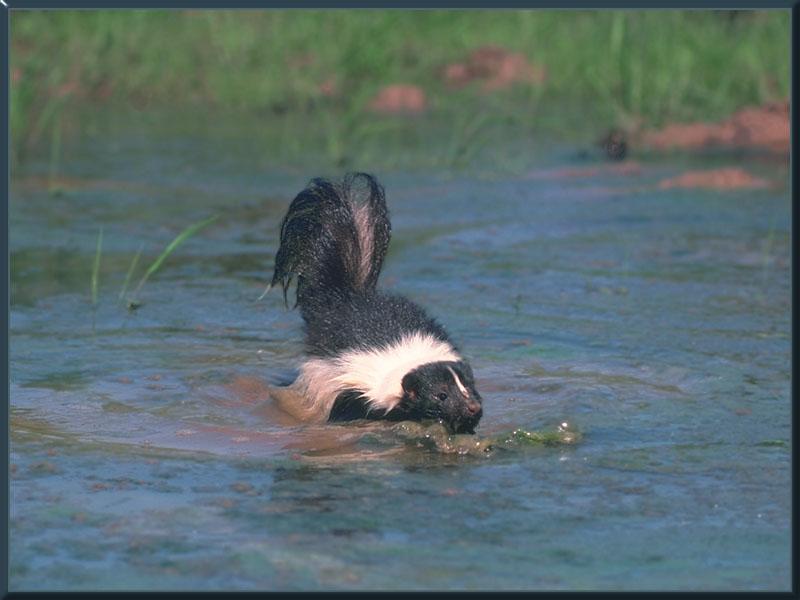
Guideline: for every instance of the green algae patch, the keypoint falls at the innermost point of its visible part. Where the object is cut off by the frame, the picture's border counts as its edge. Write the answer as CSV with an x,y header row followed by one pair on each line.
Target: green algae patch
x,y
564,434
773,444
435,437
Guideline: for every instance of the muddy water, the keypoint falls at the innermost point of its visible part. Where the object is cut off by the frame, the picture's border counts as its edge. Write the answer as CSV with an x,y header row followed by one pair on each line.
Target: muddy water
x,y
145,452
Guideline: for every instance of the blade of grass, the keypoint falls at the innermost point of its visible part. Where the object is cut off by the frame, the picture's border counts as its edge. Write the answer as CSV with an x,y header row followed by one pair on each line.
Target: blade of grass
x,y
96,266
179,239
131,269
55,158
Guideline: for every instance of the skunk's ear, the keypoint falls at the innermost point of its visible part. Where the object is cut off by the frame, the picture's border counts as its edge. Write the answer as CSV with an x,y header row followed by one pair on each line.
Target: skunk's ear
x,y
411,384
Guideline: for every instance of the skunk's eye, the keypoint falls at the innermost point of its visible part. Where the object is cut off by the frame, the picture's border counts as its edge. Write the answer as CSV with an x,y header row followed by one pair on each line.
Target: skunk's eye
x,y
442,396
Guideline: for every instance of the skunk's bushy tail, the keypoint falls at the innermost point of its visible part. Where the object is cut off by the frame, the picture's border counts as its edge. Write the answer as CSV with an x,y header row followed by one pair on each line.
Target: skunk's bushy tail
x,y
333,240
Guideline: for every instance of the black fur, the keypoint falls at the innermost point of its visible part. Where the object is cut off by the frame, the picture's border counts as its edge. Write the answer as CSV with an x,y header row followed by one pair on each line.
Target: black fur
x,y
320,244
336,292
365,320
351,405
430,392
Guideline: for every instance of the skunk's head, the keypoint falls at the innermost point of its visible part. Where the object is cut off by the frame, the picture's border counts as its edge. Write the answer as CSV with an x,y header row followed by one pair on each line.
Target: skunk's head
x,y
444,391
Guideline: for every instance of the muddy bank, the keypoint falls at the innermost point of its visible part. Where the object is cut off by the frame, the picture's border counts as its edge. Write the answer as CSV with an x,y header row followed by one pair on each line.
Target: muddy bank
x,y
494,68
399,98
752,128
718,179
723,178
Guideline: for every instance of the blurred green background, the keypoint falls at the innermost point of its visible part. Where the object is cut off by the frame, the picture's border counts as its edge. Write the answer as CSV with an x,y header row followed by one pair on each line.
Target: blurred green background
x,y
576,72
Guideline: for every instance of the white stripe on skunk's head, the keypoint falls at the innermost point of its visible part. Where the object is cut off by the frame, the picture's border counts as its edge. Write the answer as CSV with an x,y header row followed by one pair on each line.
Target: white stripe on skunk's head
x,y
378,372
461,388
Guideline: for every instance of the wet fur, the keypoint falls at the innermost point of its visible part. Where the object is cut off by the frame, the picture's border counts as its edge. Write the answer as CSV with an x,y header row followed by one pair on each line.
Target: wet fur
x,y
362,343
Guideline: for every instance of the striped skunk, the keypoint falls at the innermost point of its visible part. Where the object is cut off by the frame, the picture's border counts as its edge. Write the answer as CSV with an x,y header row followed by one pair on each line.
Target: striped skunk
x,y
371,355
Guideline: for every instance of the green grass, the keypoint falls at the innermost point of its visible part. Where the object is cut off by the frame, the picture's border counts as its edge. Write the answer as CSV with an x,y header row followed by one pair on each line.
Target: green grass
x,y
605,68
96,266
131,269
156,264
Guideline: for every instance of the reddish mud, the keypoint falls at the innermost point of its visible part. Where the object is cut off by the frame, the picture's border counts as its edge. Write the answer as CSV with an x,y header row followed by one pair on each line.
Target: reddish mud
x,y
728,178
718,179
495,68
629,167
328,87
399,98
759,127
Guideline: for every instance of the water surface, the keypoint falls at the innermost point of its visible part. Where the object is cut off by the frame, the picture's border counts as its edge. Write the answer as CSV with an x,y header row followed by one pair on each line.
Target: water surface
x,y
145,453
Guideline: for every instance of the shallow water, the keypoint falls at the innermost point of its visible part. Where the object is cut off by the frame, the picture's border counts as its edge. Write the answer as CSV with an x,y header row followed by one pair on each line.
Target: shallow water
x,y
145,452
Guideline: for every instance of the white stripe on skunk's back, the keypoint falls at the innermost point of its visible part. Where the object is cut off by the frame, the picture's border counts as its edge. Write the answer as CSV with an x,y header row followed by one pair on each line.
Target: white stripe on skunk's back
x,y
376,372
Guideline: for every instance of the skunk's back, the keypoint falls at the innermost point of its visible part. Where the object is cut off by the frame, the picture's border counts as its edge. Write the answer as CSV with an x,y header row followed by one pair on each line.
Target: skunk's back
x,y
368,321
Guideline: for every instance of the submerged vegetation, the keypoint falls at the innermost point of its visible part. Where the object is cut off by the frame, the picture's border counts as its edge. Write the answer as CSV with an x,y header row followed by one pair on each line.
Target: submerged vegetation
x,y
156,265
96,266
345,74
435,437
133,302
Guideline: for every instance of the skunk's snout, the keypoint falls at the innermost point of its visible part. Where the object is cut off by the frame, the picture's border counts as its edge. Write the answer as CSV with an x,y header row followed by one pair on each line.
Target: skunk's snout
x,y
445,391
466,419
464,425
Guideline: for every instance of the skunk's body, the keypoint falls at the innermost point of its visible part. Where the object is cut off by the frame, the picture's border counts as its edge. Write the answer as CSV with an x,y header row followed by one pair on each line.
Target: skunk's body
x,y
372,355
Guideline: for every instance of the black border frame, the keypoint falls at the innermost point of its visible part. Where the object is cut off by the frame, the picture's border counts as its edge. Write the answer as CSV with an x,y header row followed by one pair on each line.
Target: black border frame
x,y
6,6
